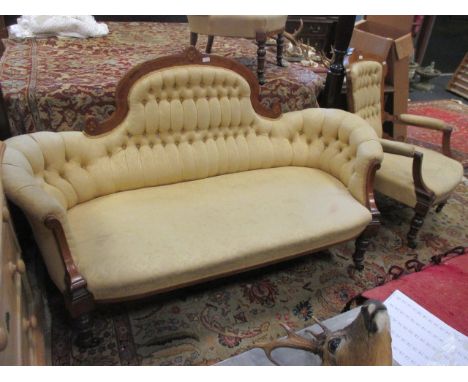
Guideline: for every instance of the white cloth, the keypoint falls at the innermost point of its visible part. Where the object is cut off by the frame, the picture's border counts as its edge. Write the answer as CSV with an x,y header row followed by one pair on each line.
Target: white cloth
x,y
63,26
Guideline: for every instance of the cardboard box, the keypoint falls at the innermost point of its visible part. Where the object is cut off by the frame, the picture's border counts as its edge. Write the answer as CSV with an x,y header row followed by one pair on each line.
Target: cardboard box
x,y
389,39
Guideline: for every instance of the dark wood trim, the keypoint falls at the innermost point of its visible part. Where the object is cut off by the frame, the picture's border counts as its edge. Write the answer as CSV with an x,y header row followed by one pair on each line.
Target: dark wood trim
x,y
78,299
424,200
446,136
190,56
363,240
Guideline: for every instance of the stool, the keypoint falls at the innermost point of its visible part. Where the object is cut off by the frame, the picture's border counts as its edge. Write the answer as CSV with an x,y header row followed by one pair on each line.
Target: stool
x,y
251,27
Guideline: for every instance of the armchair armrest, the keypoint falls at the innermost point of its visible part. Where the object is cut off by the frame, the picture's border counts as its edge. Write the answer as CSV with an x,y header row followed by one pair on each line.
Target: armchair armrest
x,y
429,123
398,148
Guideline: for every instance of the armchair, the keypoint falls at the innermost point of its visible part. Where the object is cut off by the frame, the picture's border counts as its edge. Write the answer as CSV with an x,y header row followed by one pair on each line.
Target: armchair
x,y
404,175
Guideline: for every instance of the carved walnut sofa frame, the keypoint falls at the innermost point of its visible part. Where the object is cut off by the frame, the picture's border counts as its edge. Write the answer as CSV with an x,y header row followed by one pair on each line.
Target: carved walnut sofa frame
x,y
79,300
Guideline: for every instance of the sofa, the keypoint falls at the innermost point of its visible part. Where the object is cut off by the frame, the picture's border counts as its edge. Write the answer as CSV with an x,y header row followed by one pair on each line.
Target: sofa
x,y
189,180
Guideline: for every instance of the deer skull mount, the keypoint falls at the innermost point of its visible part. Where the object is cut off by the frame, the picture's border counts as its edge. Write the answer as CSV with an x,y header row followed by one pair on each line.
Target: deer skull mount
x,y
366,341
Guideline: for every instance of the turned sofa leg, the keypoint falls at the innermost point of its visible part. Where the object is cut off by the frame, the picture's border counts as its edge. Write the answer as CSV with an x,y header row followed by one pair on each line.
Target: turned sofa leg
x,y
261,53
83,327
417,222
362,242
80,305
193,38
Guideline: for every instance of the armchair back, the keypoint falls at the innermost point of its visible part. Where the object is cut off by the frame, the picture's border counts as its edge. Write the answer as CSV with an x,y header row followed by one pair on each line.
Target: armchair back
x,y
365,92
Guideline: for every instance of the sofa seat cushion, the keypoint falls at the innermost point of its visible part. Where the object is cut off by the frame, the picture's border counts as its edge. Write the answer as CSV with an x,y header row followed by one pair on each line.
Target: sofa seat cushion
x,y
153,239
440,173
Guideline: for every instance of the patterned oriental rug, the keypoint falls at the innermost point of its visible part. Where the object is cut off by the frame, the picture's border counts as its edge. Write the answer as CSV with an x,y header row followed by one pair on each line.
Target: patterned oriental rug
x,y
204,325
453,112
59,84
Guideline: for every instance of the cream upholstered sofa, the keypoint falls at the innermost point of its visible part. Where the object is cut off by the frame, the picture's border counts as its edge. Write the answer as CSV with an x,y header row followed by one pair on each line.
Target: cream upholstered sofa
x,y
190,179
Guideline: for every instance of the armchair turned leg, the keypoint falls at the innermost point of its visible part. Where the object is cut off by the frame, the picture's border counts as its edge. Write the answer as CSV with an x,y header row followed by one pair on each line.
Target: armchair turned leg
x,y
416,224
193,38
209,44
261,53
279,50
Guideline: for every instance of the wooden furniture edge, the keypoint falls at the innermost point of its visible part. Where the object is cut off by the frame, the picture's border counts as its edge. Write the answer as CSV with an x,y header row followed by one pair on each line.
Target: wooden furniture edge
x,y
190,56
78,299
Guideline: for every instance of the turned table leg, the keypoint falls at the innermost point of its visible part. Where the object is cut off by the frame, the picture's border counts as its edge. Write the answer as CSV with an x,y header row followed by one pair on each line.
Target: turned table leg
x,y
261,53
279,50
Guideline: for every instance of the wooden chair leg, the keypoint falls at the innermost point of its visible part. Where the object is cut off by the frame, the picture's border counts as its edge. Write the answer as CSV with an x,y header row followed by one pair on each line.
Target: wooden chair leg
x,y
279,50
193,38
417,222
261,53
209,44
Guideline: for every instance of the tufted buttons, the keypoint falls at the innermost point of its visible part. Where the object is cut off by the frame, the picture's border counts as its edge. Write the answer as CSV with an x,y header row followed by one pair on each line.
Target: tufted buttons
x,y
138,145
124,146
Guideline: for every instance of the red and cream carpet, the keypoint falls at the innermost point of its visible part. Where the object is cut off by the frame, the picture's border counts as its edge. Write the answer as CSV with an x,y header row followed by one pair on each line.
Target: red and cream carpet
x,y
204,325
453,112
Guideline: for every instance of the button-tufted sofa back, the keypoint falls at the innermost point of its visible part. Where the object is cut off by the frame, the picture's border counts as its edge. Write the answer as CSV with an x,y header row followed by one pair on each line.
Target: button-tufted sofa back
x,y
183,123
365,81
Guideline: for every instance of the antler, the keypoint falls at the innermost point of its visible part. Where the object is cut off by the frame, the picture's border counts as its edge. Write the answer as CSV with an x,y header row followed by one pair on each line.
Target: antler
x,y
293,341
293,37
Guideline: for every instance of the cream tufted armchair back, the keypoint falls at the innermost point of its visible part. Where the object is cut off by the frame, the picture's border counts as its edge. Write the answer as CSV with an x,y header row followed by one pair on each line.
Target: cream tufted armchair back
x,y
181,123
365,80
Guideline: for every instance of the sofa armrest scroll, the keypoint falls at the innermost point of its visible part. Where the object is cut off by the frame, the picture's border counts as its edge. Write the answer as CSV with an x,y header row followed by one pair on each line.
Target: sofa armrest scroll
x,y
79,300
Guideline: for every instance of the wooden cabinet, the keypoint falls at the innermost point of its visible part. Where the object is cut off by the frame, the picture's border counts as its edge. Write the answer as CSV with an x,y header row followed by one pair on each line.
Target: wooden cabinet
x,y
21,335
318,31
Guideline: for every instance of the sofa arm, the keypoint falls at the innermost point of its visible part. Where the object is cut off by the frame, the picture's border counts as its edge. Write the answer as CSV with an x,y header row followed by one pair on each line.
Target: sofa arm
x,y
48,215
369,155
